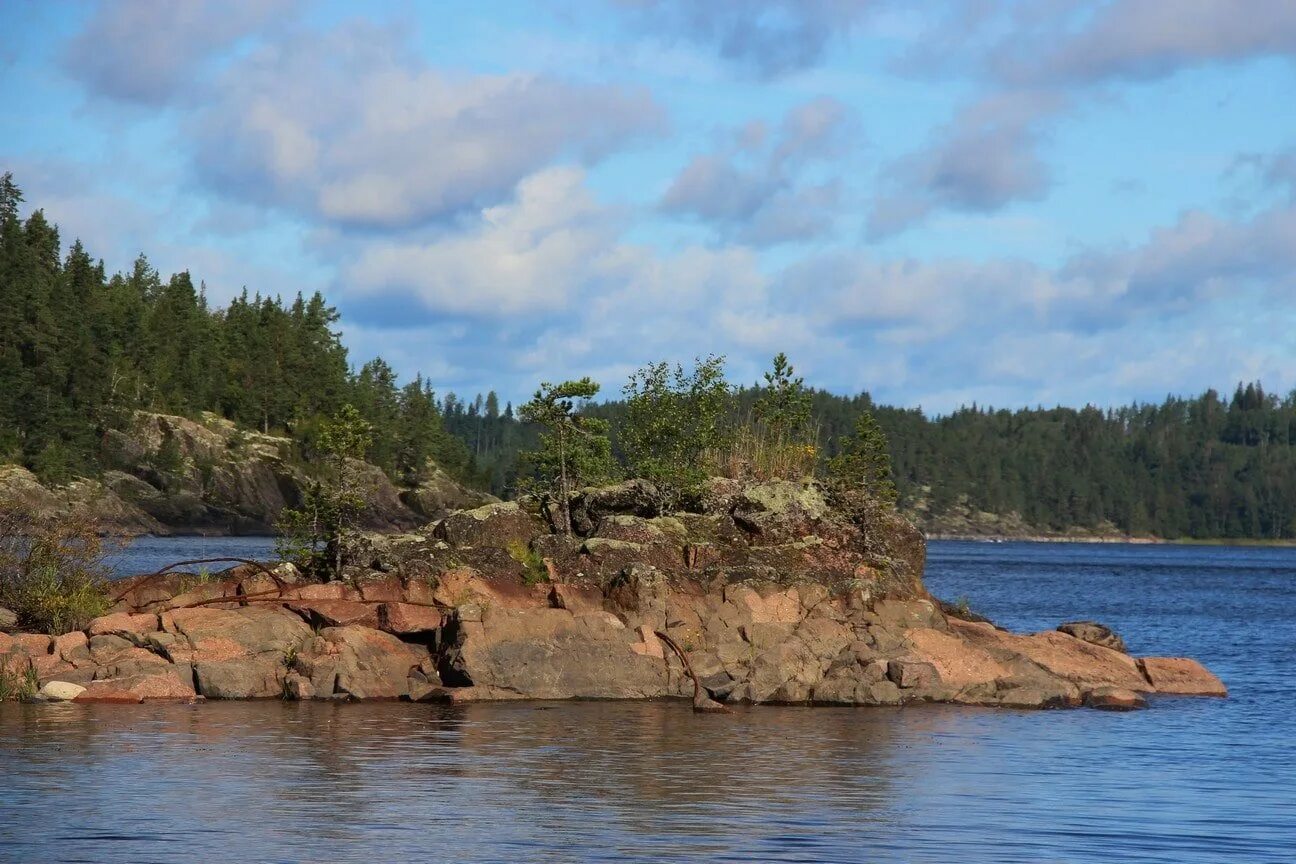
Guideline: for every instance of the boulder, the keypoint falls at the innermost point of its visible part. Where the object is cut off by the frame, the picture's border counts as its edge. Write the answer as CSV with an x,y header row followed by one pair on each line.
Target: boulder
x,y
1181,676
61,691
34,644
553,654
242,678
1095,634
501,525
298,686
222,634
1056,655
73,648
109,695
359,662
780,510
912,674
171,683
592,505
123,624
8,619
1114,699
438,493
406,618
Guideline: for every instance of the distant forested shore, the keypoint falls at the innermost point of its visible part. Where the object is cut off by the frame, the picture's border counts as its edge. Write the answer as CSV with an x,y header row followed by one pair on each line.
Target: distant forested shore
x,y
81,350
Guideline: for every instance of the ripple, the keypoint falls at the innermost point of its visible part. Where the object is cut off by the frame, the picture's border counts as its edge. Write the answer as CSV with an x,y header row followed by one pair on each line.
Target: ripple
x,y
1186,780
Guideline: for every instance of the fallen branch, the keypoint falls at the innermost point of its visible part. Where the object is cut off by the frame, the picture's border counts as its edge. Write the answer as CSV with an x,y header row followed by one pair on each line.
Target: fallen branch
x,y
702,702
170,568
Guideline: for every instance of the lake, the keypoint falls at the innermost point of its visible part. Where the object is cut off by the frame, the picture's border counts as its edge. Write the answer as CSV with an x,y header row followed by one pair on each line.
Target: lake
x,y
1185,780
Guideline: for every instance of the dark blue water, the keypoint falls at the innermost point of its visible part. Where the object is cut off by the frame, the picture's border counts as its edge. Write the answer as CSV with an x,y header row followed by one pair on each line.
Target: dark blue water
x,y
150,554
1186,780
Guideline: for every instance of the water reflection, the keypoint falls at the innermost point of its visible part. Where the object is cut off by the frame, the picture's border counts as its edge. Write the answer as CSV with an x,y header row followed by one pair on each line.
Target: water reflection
x,y
1187,780
595,781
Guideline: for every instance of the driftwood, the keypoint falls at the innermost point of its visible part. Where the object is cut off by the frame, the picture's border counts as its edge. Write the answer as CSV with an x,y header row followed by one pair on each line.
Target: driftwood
x,y
170,568
702,702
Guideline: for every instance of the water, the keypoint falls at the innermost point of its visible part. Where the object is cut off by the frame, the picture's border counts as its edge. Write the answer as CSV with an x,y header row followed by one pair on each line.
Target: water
x,y
150,554
1186,780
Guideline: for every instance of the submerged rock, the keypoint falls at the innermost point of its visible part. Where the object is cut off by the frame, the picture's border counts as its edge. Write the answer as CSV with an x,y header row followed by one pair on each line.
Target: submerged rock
x,y
1114,699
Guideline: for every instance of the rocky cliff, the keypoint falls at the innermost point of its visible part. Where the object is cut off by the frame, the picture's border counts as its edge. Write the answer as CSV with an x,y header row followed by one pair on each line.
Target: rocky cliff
x,y
175,475
757,593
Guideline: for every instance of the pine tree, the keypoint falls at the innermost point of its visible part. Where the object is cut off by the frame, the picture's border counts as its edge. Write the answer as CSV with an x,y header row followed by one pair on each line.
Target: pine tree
x,y
574,449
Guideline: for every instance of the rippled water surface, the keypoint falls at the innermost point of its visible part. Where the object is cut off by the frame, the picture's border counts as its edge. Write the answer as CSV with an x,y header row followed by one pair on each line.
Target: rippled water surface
x,y
1187,780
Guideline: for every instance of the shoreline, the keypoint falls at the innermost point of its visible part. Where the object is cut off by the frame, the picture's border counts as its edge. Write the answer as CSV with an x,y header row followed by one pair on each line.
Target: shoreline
x,y
1114,539
1106,539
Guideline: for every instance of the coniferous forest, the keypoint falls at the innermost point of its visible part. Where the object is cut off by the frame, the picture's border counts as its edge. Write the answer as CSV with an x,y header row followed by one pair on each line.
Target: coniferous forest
x,y
80,349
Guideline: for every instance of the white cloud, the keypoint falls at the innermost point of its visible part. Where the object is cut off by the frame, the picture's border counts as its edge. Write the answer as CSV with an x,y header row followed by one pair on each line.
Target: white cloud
x,y
986,158
344,128
149,51
752,188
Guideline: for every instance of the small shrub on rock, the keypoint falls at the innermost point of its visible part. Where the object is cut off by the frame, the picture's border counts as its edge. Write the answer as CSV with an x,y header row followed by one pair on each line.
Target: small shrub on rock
x,y
52,571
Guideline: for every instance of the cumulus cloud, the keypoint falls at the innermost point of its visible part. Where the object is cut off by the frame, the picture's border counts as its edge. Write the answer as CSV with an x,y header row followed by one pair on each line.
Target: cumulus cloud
x,y
751,189
1038,60
527,255
566,293
985,158
347,129
1279,170
768,37
148,51
1143,39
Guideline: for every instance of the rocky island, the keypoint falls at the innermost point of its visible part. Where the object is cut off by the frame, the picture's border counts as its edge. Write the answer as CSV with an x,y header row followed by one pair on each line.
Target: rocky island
x,y
751,593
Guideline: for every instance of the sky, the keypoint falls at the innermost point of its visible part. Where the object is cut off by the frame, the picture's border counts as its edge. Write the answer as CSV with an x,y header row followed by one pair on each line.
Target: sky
x,y
1007,203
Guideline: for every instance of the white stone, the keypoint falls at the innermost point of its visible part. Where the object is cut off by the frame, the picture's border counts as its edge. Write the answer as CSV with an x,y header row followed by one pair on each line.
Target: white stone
x,y
61,691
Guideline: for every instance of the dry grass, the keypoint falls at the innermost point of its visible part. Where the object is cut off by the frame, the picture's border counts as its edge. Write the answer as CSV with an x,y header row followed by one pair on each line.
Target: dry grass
x,y
754,453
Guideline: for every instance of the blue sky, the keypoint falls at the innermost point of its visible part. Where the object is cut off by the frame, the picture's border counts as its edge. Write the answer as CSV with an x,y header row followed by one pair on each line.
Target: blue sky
x,y
1012,203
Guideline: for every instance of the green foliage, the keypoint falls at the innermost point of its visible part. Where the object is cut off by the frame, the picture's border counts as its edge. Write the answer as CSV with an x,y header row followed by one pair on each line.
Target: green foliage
x,y
80,351
776,441
15,686
534,570
316,534
168,459
863,463
784,404
52,572
674,422
574,450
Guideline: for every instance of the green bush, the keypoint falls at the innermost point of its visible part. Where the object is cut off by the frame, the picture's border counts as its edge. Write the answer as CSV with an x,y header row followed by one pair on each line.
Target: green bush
x,y
675,421
52,571
17,686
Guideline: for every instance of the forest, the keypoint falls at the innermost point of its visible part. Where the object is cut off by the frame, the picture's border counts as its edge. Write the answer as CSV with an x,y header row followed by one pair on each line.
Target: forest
x,y
81,349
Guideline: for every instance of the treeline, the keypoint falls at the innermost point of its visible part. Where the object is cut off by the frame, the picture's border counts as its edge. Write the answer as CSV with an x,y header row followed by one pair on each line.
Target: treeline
x,y
1207,467
81,350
